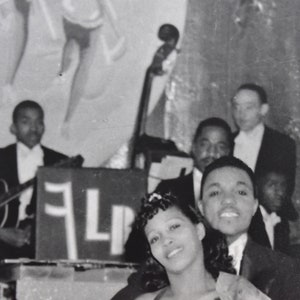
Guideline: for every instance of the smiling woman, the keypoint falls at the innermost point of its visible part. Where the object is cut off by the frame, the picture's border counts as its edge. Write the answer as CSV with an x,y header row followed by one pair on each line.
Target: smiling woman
x,y
187,259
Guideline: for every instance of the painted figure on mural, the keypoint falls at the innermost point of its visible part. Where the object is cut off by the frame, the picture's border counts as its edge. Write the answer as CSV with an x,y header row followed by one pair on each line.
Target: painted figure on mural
x,y
82,22
82,27
14,22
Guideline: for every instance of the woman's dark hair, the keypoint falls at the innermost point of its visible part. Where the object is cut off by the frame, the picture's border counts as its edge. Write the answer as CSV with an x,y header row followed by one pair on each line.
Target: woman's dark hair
x,y
215,249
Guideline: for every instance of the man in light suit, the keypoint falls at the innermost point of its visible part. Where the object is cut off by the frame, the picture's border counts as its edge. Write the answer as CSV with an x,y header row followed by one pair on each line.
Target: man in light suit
x,y
18,164
258,145
228,203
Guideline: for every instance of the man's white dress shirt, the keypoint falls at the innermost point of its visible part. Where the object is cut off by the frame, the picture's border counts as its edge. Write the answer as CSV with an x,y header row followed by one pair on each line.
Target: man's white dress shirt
x,y
247,145
270,221
28,161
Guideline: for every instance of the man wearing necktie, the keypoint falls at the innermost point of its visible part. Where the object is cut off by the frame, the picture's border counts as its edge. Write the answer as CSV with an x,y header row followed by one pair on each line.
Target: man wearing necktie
x,y
258,145
18,164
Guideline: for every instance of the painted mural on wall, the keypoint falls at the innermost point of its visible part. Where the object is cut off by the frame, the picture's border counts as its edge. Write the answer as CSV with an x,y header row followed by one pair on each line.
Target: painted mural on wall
x,y
84,62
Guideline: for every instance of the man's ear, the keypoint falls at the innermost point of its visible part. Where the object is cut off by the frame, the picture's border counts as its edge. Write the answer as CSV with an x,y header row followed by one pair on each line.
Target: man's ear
x,y
192,150
264,109
200,206
255,207
200,231
13,129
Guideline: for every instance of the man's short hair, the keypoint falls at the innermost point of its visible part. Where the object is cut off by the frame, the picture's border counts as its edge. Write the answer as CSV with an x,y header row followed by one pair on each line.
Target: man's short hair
x,y
23,105
271,169
216,122
259,90
227,161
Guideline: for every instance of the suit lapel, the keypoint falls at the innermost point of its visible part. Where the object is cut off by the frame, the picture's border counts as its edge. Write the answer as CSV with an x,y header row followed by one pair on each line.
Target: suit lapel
x,y
13,160
254,262
247,266
263,149
257,230
188,186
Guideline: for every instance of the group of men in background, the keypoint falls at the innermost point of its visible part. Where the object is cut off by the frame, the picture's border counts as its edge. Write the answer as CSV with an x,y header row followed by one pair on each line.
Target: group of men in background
x,y
262,161
269,153
262,219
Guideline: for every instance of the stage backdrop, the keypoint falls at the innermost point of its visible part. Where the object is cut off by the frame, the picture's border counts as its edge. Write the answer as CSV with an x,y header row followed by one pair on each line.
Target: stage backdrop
x,y
84,62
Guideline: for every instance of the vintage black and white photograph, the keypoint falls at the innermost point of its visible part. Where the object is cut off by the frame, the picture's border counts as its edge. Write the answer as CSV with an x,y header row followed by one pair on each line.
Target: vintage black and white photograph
x,y
150,150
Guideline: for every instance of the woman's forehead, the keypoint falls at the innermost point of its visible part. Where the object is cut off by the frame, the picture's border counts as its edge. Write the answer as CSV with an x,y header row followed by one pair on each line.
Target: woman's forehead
x,y
162,217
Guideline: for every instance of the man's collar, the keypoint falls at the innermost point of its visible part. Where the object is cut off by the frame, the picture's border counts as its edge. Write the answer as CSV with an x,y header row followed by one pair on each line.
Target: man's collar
x,y
271,217
197,173
264,212
258,130
24,150
241,240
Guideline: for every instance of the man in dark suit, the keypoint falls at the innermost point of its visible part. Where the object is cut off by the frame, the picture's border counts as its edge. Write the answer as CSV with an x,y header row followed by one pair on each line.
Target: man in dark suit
x,y
18,164
212,140
259,146
228,203
269,226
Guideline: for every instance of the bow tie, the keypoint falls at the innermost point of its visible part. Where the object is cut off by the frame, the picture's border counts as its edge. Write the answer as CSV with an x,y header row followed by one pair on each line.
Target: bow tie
x,y
31,153
272,218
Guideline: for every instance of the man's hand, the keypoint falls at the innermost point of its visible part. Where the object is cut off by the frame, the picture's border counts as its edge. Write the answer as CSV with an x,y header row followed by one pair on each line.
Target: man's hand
x,y
15,237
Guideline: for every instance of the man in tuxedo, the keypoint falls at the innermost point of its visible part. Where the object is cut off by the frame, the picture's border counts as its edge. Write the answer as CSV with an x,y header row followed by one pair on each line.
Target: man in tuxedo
x,y
212,140
258,145
269,226
228,202
18,164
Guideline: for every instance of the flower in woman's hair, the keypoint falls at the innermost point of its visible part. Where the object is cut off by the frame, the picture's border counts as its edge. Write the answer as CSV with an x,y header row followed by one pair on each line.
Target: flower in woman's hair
x,y
154,196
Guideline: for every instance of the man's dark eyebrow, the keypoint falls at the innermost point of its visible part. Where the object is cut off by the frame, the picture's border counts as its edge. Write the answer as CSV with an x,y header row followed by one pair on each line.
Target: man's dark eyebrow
x,y
223,142
214,184
217,184
243,183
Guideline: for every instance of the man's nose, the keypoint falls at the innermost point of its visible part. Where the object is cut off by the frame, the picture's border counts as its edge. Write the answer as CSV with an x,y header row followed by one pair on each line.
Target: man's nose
x,y
214,152
228,198
34,127
279,191
240,111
